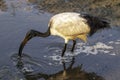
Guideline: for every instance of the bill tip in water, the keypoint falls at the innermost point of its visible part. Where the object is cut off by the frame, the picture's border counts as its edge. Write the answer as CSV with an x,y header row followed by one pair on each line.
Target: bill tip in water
x,y
21,47
20,50
19,55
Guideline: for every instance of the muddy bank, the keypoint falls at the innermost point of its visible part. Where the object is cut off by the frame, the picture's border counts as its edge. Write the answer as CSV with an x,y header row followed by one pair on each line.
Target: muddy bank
x,y
102,8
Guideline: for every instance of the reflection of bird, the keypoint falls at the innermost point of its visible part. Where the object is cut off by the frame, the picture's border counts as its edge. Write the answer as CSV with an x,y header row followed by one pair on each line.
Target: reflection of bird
x,y
69,72
69,26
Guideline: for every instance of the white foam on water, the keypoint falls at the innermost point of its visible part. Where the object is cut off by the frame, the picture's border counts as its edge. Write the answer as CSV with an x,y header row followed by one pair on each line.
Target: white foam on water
x,y
56,57
118,40
98,48
104,51
111,42
27,68
102,46
86,49
113,54
50,64
115,42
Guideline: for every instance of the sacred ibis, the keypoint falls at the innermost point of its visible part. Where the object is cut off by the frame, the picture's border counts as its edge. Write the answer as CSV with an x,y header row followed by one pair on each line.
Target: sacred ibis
x,y
69,26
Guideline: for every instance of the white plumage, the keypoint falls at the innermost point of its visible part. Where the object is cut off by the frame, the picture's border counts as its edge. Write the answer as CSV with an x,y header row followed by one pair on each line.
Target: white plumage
x,y
69,26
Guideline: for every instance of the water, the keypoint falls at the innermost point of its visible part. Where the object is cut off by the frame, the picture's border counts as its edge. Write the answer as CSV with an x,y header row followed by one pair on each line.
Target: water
x,y
99,59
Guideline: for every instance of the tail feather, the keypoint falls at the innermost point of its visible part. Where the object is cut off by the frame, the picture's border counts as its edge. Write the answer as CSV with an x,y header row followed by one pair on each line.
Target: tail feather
x,y
96,23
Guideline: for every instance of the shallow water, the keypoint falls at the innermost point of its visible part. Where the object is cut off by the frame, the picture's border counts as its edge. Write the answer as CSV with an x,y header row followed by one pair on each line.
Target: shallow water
x,y
99,59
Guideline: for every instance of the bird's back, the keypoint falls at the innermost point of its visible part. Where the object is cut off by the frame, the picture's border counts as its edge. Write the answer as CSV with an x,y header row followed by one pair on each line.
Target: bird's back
x,y
69,24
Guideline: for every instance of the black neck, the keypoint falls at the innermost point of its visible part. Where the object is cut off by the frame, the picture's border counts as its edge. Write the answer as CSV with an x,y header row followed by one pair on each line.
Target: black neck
x,y
40,34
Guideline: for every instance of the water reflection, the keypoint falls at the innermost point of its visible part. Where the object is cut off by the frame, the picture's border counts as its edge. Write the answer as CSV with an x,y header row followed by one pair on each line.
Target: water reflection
x,y
67,73
3,6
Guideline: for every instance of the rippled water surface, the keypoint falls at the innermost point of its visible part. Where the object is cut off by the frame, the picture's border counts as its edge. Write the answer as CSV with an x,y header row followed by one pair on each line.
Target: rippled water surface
x,y
99,59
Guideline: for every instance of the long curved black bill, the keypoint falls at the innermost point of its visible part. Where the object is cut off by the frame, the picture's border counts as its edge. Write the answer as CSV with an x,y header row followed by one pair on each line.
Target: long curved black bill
x,y
26,39
21,47
30,34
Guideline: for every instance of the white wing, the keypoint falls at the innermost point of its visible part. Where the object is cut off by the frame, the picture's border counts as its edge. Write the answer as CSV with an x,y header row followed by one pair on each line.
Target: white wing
x,y
69,24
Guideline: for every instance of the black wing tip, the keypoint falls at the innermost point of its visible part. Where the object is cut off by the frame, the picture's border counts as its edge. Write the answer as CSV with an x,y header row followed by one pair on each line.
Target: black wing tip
x,y
95,23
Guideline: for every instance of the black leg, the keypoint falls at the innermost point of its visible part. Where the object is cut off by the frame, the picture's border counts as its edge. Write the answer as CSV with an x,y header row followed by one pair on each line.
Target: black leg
x,y
64,49
64,66
72,62
74,43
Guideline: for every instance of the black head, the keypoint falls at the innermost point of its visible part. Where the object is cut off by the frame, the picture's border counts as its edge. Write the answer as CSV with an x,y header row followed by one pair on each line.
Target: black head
x,y
31,34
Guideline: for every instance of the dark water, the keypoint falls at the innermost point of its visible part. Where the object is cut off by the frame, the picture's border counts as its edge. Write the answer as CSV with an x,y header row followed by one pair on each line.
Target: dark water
x,y
99,59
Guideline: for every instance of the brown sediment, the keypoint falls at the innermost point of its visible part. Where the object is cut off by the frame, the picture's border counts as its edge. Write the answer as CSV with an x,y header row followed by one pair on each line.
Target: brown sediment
x,y
102,8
